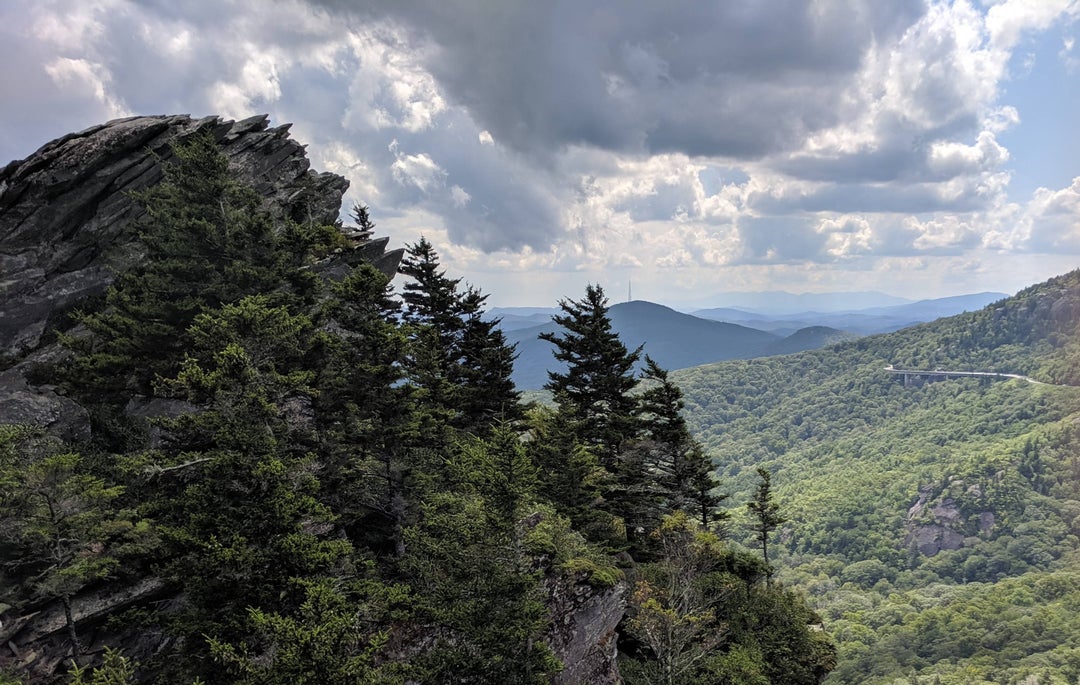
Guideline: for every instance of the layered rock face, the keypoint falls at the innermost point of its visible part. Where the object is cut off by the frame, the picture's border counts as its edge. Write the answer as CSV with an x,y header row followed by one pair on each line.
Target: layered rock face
x,y
63,210
65,217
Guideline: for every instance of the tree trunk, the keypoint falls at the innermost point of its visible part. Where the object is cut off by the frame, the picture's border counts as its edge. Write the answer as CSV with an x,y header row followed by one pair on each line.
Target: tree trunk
x,y
76,650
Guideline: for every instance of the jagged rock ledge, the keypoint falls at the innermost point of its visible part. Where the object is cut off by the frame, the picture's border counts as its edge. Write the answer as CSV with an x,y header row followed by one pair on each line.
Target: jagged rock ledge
x,y
64,215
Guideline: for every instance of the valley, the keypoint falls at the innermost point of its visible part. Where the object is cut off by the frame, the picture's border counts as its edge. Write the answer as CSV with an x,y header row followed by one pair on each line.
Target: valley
x,y
934,525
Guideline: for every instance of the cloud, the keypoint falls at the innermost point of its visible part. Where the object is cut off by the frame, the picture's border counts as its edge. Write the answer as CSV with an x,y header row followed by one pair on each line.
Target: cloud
x,y
89,80
706,139
1053,220
705,79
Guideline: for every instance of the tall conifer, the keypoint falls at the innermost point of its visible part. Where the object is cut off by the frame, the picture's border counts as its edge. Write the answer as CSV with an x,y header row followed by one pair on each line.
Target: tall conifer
x,y
599,374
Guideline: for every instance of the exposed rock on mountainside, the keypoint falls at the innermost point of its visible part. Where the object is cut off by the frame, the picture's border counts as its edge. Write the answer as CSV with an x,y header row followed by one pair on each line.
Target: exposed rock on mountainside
x,y
64,209
582,635
67,227
67,221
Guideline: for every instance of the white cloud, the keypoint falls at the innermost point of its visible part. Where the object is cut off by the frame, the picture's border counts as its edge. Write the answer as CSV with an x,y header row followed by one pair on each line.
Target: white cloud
x,y
391,88
459,197
419,170
1053,217
664,137
847,235
89,80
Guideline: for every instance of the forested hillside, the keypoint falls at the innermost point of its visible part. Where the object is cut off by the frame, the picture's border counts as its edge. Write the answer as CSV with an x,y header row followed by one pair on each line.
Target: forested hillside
x,y
296,472
934,525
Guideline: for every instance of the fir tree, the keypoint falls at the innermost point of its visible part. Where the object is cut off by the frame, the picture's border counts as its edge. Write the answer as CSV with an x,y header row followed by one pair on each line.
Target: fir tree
x,y
680,463
599,377
459,361
366,416
364,227
208,242
243,519
766,515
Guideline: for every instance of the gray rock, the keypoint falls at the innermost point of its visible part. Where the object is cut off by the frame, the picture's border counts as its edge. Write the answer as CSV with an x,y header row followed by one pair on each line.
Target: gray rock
x,y
582,635
65,209
65,231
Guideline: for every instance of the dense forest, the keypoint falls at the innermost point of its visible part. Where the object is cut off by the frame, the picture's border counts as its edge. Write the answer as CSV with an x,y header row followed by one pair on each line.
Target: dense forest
x,y
304,475
935,526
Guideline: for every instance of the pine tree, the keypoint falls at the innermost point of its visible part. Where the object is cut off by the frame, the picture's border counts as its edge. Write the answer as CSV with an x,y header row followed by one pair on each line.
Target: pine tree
x,y
59,527
459,361
472,576
767,517
364,226
485,395
366,414
684,470
570,476
243,520
208,241
599,376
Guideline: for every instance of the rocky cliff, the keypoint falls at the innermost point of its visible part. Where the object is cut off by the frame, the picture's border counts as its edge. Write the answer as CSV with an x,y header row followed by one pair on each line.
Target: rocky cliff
x,y
65,218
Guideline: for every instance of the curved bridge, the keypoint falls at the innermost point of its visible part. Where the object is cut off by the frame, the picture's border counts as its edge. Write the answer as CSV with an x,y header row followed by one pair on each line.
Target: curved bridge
x,y
938,374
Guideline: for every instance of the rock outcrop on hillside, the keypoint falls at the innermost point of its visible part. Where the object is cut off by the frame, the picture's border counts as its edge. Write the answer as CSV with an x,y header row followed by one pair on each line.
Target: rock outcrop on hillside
x,y
66,216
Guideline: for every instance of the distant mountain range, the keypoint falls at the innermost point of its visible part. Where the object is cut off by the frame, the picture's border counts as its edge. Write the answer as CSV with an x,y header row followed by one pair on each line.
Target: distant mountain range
x,y
678,340
880,319
675,340
779,302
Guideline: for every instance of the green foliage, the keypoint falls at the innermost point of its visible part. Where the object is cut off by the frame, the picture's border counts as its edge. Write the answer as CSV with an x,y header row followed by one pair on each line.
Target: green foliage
x,y
599,377
336,487
867,470
701,616
683,470
478,591
460,362
208,242
60,527
115,669
766,515
327,642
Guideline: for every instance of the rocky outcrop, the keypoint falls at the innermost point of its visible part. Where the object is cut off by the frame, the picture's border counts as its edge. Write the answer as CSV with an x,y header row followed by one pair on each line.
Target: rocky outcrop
x,y
65,214
936,522
583,632
36,642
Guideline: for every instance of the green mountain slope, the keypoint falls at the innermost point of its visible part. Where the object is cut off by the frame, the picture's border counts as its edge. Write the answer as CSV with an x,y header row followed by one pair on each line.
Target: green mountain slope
x,y
673,339
911,505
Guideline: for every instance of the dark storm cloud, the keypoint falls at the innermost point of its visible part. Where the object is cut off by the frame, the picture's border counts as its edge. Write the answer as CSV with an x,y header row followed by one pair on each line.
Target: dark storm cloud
x,y
738,79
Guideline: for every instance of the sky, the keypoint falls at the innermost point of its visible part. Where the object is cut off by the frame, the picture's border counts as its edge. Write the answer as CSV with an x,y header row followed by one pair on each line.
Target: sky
x,y
919,148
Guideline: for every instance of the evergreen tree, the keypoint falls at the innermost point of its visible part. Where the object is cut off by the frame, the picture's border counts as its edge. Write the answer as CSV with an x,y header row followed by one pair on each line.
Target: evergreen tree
x,y
766,515
570,476
680,464
473,578
60,526
243,520
460,362
599,377
208,241
363,225
486,395
366,414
